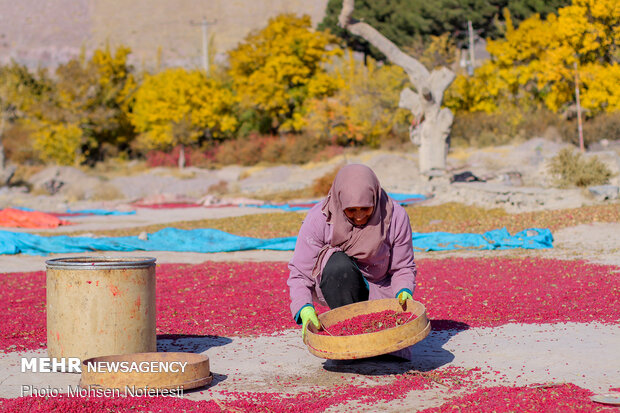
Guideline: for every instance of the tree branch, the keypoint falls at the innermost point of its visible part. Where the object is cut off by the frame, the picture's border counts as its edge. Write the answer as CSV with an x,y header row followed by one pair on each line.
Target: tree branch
x,y
418,74
439,82
344,19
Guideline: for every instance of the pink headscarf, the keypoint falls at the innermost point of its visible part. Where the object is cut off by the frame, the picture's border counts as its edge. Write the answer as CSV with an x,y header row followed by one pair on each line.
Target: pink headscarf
x,y
356,186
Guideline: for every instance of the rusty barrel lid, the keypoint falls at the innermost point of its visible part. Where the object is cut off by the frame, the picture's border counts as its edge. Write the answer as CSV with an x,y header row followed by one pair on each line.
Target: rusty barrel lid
x,y
100,262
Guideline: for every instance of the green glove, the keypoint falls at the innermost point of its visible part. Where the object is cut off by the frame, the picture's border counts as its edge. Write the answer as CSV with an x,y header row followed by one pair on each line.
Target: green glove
x,y
404,296
308,314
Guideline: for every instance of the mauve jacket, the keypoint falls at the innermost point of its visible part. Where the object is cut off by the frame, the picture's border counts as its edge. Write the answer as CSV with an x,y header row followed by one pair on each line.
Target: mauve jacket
x,y
315,232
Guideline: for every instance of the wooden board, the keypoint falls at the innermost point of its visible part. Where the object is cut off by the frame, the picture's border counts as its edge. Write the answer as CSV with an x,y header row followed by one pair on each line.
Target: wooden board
x,y
370,344
196,372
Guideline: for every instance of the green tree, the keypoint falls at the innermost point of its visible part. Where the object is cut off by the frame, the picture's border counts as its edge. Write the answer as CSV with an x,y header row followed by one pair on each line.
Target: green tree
x,y
486,15
523,9
401,21
405,22
452,16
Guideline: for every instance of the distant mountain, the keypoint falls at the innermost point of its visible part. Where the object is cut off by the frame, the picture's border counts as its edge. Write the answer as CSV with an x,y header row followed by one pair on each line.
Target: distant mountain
x,y
45,33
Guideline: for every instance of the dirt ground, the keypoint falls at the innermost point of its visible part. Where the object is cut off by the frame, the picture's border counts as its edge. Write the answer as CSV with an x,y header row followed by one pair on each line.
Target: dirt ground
x,y
514,354
516,179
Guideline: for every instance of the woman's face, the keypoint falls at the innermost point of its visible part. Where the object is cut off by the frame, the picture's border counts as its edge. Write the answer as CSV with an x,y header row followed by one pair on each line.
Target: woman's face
x,y
359,216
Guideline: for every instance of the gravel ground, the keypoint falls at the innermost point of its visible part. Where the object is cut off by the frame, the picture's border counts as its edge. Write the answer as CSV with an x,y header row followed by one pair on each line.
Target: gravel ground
x,y
510,355
513,354
516,179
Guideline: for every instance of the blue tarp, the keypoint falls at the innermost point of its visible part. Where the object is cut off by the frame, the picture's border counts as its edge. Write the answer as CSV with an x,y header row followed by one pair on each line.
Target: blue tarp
x,y
285,207
212,240
497,239
99,212
403,199
86,211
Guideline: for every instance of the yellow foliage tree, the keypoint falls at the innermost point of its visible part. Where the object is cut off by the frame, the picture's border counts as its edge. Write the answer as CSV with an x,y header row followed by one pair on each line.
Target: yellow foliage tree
x,y
93,97
364,109
535,62
177,106
275,70
435,52
59,143
20,90
116,75
486,91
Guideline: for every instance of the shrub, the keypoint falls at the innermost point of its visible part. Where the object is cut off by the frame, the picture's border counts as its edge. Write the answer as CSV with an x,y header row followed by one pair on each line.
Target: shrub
x,y
485,129
291,149
569,169
322,185
17,141
328,152
156,159
106,192
241,151
220,188
595,129
273,149
301,149
201,158
604,126
193,157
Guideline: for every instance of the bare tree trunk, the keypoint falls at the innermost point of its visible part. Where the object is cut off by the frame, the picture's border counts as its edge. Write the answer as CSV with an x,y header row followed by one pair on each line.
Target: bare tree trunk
x,y
2,159
181,162
433,123
6,172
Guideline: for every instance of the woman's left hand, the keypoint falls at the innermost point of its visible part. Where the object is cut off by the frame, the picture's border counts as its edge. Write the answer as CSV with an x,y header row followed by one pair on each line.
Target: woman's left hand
x,y
404,296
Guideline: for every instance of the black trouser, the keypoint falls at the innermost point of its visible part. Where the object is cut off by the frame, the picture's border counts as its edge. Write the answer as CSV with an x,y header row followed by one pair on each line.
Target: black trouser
x,y
342,282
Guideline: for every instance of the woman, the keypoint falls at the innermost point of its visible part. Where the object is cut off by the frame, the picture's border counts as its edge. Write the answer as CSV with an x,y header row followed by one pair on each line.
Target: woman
x,y
353,246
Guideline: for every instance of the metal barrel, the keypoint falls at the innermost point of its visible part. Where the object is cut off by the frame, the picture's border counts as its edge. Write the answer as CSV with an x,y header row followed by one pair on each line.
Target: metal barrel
x,y
97,306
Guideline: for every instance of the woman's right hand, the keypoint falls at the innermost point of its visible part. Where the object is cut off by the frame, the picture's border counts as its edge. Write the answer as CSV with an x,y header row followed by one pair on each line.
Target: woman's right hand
x,y
308,314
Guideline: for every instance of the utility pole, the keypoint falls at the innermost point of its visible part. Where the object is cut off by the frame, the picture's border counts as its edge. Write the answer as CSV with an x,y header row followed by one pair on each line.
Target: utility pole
x,y
205,41
472,57
578,102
